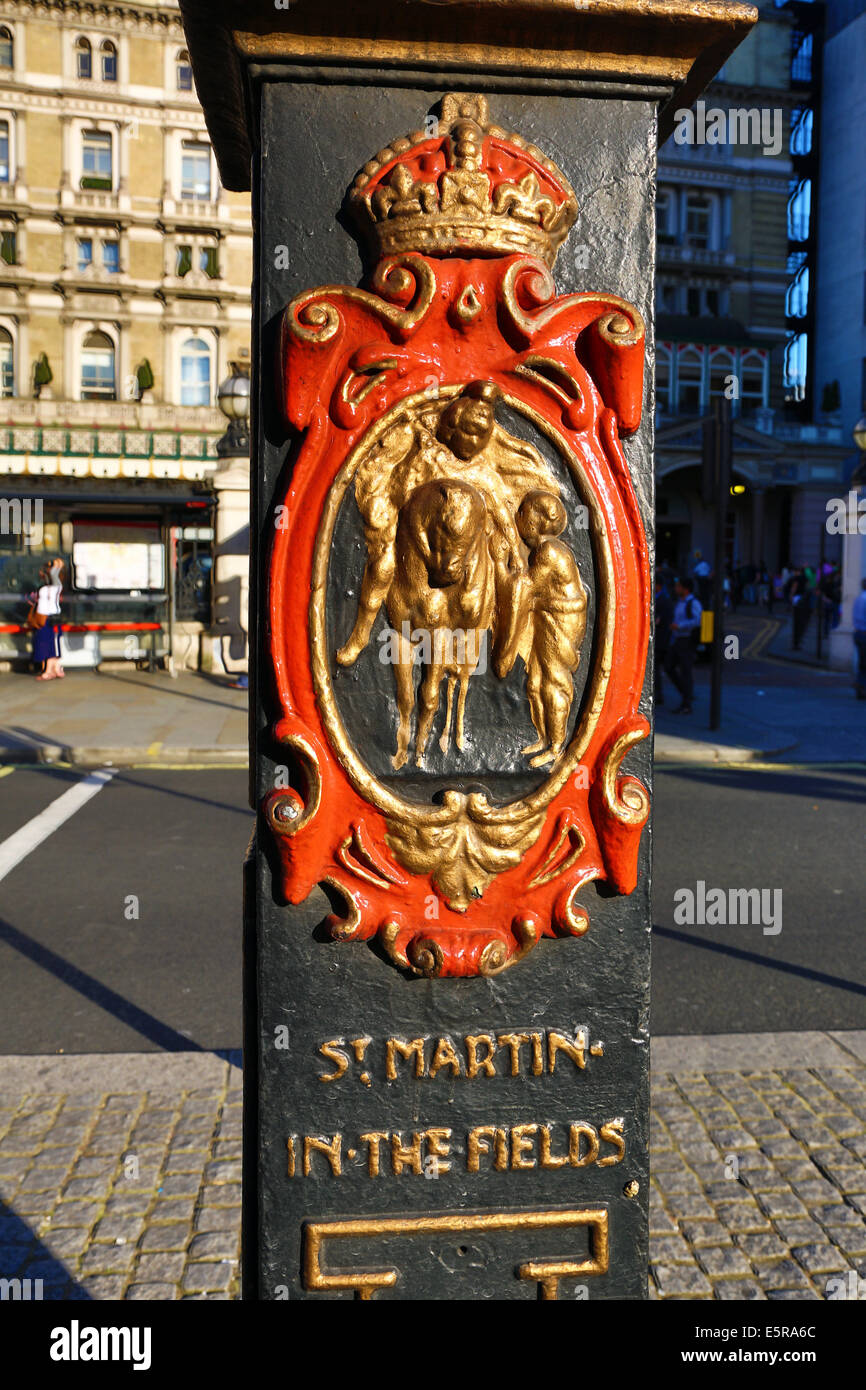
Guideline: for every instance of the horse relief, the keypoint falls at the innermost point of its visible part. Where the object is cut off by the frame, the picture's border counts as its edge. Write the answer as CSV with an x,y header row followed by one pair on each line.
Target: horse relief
x,y
462,523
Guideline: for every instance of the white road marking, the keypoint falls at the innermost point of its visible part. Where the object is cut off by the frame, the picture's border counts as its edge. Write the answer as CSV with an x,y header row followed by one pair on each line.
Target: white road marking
x,y
37,830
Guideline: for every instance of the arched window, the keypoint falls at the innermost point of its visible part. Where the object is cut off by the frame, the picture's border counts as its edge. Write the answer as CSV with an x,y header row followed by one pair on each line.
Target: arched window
x,y
721,372
108,57
802,119
183,71
799,210
663,377
796,350
7,48
83,59
753,382
690,377
97,368
797,297
7,363
195,372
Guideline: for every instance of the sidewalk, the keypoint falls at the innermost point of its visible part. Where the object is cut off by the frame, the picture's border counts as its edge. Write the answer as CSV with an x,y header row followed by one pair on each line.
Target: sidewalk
x,y
781,644
123,718
120,1174
823,724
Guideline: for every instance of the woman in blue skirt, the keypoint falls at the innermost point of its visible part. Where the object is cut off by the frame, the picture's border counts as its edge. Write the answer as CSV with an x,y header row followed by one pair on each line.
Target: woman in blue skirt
x,y
46,639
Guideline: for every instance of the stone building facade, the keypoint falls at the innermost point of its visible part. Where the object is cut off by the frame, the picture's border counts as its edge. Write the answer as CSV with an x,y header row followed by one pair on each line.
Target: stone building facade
x,y
736,291
124,296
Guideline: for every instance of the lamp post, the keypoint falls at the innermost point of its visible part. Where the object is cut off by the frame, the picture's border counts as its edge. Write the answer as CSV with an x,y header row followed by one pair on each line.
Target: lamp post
x,y
233,399
232,530
853,568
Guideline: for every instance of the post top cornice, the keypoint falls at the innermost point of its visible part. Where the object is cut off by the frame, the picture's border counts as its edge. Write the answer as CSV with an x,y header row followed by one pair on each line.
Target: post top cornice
x,y
668,49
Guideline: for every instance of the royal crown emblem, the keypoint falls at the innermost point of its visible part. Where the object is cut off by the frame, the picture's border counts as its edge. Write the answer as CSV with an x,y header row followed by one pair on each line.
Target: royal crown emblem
x,y
456,705
469,189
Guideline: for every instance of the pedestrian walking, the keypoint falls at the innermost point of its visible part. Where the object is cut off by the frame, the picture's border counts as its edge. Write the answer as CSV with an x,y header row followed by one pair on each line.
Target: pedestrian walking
x,y
701,577
664,616
799,595
44,619
859,625
686,633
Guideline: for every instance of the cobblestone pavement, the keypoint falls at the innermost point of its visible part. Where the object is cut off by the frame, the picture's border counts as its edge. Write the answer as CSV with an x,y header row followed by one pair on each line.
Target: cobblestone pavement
x,y
125,1182
116,1191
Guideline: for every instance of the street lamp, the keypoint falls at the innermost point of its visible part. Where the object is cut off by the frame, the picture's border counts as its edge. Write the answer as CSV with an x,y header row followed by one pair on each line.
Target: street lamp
x,y
233,399
231,482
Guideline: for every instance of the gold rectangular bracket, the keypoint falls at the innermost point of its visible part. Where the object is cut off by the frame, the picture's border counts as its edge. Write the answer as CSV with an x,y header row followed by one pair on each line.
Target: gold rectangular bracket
x,y
546,1273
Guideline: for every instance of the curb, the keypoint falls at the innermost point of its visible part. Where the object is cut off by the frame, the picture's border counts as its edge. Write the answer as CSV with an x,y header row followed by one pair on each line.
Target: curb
x,y
50,754
669,748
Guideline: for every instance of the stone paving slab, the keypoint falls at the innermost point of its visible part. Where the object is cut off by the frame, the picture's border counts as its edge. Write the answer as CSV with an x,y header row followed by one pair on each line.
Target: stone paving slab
x,y
120,1174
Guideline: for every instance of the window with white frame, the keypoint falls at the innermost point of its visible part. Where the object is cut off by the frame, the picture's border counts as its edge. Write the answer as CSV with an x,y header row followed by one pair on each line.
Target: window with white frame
x,y
83,58
666,296
96,160
84,253
5,151
796,353
98,370
197,255
722,372
666,214
195,171
753,382
183,71
699,221
802,119
663,377
690,377
195,372
7,48
797,295
799,210
108,61
8,244
7,363
111,257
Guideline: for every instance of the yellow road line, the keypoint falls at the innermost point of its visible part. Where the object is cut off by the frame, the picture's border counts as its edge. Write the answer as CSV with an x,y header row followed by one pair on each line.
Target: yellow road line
x,y
5,771
763,636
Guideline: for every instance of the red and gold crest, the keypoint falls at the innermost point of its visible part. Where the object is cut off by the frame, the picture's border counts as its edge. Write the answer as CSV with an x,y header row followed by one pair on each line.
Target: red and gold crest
x,y
459,585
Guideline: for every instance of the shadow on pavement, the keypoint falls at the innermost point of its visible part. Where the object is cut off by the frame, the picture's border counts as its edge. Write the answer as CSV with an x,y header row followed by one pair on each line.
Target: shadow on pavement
x,y
162,1034
24,1259
169,688
136,780
799,781
835,981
